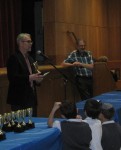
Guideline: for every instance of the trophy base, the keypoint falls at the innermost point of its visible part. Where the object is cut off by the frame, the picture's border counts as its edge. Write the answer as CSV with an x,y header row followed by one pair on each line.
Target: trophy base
x,y
19,129
6,128
30,125
24,125
2,136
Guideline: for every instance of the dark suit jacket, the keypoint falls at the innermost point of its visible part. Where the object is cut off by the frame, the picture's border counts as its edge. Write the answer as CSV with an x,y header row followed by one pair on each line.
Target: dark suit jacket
x,y
76,135
20,92
111,136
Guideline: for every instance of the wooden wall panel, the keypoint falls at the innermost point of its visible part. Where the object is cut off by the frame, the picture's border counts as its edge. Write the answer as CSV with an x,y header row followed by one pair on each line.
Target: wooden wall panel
x,y
49,11
67,11
49,38
114,18
96,39
99,13
96,21
114,43
85,12
61,7
114,13
102,42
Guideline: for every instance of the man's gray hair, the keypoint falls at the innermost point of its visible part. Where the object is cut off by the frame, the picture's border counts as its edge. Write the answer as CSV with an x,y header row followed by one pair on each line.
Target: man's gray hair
x,y
21,36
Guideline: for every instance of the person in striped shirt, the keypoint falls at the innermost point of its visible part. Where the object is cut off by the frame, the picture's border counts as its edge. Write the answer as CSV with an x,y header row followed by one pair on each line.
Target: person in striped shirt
x,y
82,62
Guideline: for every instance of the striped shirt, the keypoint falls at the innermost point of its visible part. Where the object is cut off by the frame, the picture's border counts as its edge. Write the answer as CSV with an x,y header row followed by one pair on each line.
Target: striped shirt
x,y
82,57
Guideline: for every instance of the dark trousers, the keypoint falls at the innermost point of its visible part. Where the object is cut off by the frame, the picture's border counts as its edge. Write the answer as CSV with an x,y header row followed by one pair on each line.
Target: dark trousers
x,y
15,108
85,87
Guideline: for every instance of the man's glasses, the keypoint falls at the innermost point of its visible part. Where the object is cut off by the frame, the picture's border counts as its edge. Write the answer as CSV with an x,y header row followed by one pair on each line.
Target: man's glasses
x,y
30,42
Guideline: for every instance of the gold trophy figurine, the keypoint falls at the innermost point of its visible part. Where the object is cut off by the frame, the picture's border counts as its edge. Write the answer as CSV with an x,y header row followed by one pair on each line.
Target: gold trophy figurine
x,y
2,133
19,128
35,64
30,123
23,115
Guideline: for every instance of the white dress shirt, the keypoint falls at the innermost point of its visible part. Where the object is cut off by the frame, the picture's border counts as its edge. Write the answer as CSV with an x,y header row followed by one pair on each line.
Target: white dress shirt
x,y
96,128
57,124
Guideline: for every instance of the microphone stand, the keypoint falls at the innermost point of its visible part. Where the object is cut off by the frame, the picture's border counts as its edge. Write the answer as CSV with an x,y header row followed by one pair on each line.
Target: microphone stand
x,y
66,79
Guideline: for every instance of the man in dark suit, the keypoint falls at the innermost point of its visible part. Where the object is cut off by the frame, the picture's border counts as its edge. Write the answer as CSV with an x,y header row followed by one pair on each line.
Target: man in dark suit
x,y
22,76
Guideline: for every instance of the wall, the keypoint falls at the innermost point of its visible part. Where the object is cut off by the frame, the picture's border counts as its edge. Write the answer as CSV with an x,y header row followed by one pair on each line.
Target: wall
x,y
96,21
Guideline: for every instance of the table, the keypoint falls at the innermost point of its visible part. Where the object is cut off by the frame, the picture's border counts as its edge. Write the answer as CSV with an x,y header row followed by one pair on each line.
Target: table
x,y
39,138
113,97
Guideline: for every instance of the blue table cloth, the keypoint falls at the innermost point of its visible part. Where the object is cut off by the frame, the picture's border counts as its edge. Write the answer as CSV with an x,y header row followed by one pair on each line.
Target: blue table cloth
x,y
39,138
113,97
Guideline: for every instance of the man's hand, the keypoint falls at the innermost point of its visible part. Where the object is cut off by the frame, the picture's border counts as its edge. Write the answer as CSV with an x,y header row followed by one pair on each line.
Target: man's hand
x,y
77,64
36,76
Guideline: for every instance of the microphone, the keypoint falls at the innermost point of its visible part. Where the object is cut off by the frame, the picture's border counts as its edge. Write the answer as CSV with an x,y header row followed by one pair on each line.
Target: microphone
x,y
40,53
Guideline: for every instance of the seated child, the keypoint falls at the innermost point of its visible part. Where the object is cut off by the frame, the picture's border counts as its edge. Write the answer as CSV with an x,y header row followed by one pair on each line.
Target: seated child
x,y
92,110
111,131
76,134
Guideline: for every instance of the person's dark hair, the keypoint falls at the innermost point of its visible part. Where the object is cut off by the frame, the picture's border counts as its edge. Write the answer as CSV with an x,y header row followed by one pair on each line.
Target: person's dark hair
x,y
92,108
102,59
68,109
107,110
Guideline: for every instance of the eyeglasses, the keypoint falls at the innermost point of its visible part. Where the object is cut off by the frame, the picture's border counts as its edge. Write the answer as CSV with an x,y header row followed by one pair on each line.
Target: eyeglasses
x,y
82,45
30,42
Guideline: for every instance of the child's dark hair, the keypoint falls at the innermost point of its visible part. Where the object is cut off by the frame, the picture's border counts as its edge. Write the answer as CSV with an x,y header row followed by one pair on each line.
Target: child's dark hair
x,y
107,110
92,108
68,109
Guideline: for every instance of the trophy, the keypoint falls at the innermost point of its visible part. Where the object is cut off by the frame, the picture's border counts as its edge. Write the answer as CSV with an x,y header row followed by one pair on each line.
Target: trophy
x,y
13,122
35,64
23,115
36,67
7,122
30,124
9,126
2,134
18,127
4,128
